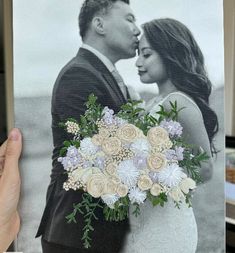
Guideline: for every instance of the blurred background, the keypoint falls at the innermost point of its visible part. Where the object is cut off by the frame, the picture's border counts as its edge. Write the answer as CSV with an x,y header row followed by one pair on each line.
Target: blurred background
x,y
45,37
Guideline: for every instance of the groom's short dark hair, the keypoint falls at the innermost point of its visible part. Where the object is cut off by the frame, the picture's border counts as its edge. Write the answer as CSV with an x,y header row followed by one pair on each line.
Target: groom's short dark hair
x,y
92,7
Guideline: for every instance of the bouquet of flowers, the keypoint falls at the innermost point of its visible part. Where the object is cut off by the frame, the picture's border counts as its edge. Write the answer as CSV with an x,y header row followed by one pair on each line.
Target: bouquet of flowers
x,y
125,159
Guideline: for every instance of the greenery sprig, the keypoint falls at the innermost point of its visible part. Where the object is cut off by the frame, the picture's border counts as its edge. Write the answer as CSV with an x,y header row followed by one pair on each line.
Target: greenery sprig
x,y
119,212
87,208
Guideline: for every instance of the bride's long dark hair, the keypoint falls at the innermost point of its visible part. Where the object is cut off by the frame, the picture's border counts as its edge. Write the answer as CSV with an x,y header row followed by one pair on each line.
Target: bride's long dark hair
x,y
184,63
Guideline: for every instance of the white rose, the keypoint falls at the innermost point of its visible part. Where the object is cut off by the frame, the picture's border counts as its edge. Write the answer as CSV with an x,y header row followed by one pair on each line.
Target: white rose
x,y
159,138
157,162
186,184
128,132
97,139
111,146
104,132
122,190
176,194
111,187
76,174
86,175
96,185
111,168
156,189
144,182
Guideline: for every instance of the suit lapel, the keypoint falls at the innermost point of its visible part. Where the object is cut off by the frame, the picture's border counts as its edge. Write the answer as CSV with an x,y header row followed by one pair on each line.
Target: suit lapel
x,y
107,76
113,84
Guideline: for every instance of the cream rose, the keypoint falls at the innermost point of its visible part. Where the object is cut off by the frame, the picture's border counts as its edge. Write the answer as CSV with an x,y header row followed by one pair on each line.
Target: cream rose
x,y
186,184
96,185
144,182
157,136
176,194
111,146
156,162
128,132
97,139
116,180
104,132
111,187
76,174
87,173
111,168
122,190
156,189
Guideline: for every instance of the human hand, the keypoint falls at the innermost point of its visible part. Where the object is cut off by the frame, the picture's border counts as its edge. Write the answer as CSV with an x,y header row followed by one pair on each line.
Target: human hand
x,y
9,188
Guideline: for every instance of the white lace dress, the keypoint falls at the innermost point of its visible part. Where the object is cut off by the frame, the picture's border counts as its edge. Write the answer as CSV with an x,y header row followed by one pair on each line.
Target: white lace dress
x,y
162,229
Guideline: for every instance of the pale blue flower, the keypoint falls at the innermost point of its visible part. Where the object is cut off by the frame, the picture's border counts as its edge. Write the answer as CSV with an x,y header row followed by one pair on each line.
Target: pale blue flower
x,y
99,162
69,162
87,164
172,127
106,110
108,116
154,176
175,154
120,121
72,151
140,161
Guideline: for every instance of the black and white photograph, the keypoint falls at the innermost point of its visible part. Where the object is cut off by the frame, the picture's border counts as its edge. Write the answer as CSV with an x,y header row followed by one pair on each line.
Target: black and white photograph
x,y
147,179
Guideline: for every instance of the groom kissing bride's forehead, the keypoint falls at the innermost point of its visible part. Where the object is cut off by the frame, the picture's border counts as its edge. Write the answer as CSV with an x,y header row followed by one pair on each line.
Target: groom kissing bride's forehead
x,y
110,27
109,33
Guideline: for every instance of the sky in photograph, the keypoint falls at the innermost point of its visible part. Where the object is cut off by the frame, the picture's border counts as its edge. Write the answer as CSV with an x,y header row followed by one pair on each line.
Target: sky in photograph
x,y
46,37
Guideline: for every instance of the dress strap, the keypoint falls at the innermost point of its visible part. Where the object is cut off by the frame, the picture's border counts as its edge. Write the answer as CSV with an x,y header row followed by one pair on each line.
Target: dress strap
x,y
183,95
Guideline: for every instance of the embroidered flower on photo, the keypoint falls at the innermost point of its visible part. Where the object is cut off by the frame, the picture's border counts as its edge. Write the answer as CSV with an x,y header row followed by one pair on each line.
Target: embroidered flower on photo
x,y
126,159
87,147
128,132
137,196
171,175
72,127
172,127
128,173
111,146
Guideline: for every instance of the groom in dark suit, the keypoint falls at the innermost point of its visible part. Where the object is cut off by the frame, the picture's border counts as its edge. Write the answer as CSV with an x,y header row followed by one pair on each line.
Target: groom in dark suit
x,y
109,33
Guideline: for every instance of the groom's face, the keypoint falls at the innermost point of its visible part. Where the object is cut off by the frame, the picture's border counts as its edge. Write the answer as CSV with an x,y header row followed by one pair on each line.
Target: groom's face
x,y
121,32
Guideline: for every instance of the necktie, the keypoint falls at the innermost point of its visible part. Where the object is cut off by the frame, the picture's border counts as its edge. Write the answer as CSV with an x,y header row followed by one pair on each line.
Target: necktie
x,y
120,82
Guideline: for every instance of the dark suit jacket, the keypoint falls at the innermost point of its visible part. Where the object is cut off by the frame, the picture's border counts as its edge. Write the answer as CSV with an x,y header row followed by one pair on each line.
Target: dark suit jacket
x,y
83,75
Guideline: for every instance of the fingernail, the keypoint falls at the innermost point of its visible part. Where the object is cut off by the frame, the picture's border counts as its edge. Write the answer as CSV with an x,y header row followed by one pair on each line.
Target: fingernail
x,y
14,134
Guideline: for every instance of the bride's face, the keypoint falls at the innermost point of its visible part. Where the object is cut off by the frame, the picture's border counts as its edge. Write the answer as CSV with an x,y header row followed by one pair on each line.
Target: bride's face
x,y
149,63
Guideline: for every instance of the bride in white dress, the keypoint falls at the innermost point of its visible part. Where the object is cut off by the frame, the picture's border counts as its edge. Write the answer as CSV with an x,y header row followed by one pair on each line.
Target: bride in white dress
x,y
170,57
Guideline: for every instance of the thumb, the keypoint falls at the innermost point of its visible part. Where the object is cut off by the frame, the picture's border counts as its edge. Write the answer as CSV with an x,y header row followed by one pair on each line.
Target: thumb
x,y
13,151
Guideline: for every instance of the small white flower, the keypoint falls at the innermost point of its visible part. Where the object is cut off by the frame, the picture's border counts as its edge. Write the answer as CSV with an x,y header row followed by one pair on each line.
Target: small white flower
x,y
128,173
72,127
171,175
110,199
137,196
140,145
87,147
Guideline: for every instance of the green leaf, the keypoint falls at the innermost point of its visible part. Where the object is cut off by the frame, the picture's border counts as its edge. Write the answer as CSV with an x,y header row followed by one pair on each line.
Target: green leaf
x,y
63,151
67,143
